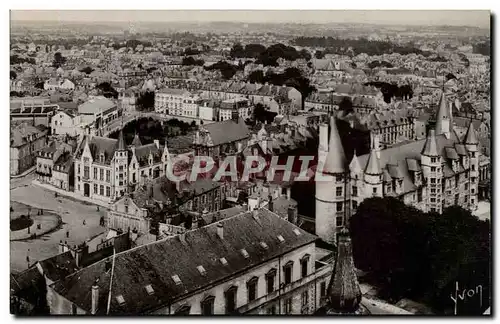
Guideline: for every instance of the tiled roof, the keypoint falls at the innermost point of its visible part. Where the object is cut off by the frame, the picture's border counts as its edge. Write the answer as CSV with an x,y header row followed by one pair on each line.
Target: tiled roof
x,y
59,266
152,264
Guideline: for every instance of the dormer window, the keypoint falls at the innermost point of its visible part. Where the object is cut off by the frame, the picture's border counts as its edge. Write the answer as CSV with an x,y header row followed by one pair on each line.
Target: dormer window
x,y
101,157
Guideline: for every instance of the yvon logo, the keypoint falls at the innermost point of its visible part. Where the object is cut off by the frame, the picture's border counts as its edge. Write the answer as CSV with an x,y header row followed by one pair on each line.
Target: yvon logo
x,y
466,294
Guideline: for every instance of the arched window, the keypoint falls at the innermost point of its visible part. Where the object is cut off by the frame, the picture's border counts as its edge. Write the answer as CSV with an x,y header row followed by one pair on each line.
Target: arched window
x,y
252,288
230,295
304,262
207,305
270,279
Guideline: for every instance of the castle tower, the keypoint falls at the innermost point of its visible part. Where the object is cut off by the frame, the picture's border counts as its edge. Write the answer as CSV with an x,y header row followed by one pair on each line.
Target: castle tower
x,y
443,118
356,174
373,173
344,293
120,166
432,172
471,144
330,186
165,158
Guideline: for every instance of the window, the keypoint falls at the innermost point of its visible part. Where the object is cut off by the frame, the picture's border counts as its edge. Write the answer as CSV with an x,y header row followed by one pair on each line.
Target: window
x,y
374,190
338,178
466,186
288,305
95,188
252,288
323,289
433,169
354,204
473,167
433,180
305,298
339,206
231,299
108,175
339,221
101,190
433,210
433,200
303,265
354,191
73,309
270,277
288,272
108,191
126,209
86,171
207,306
433,160
339,191
95,173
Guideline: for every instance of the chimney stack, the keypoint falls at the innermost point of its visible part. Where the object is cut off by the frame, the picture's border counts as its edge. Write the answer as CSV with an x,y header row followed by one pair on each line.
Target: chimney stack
x,y
107,265
292,214
288,193
157,143
220,231
95,298
270,204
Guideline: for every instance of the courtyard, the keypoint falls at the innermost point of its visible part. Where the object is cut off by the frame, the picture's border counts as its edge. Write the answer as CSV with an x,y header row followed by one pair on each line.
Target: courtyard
x,y
71,229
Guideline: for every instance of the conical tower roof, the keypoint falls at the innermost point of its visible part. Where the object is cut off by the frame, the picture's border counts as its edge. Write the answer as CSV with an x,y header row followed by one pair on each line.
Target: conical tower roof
x,y
354,166
430,146
344,294
471,136
121,142
335,161
137,141
443,113
373,165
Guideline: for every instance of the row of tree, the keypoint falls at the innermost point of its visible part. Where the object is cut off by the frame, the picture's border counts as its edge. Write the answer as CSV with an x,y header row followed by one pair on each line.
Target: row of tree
x,y
423,256
191,61
270,55
356,46
227,69
392,90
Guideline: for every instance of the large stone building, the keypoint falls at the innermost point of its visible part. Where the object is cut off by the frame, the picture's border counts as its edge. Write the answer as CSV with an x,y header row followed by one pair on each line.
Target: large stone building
x,y
106,168
254,262
430,174
25,142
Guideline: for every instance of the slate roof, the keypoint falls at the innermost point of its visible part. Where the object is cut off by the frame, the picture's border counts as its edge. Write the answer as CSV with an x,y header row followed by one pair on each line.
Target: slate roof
x,y
152,264
396,158
59,266
95,106
20,133
227,131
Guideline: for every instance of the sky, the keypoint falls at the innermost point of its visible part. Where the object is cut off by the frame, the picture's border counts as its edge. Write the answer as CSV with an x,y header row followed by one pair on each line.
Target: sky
x,y
476,18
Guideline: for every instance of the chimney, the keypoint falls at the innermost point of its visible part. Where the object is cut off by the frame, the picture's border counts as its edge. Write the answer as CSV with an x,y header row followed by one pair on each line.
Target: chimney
x,y
270,204
157,143
95,298
220,231
61,247
292,214
288,193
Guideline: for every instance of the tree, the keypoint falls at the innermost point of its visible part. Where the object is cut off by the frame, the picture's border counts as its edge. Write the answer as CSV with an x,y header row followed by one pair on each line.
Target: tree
x,y
87,70
346,106
256,76
417,254
107,90
189,60
319,54
58,60
146,101
13,75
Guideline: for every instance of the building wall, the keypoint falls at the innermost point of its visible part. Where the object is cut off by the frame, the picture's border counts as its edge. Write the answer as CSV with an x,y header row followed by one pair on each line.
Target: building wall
x,y
263,300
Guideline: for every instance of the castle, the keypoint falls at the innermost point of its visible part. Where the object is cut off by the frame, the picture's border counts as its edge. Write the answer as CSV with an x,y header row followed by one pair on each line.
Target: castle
x,y
431,174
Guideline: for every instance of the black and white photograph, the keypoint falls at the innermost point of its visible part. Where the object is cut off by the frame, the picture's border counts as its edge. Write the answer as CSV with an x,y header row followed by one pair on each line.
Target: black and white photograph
x,y
310,163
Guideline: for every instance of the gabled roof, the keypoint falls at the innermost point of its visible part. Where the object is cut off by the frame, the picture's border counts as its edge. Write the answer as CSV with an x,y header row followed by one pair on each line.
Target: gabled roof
x,y
227,131
151,264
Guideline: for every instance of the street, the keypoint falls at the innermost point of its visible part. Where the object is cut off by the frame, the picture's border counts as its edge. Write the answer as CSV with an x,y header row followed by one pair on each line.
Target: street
x,y
72,212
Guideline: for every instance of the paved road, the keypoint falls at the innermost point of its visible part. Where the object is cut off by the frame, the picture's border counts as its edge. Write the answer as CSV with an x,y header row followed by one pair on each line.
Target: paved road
x,y
72,212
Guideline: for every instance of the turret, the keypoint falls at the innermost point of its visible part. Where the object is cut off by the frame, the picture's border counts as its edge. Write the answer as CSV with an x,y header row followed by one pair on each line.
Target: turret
x,y
471,144
344,293
331,186
120,168
373,173
432,172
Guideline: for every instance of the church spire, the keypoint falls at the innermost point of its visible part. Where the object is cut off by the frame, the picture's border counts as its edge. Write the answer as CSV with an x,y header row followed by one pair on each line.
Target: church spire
x,y
373,165
335,159
443,118
344,294
121,141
